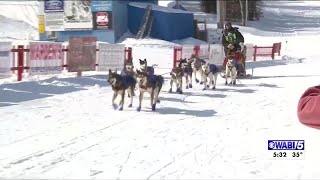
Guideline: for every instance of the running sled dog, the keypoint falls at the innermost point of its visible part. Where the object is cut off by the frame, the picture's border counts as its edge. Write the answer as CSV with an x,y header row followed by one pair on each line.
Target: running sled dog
x,y
176,78
231,71
119,85
196,68
151,84
211,72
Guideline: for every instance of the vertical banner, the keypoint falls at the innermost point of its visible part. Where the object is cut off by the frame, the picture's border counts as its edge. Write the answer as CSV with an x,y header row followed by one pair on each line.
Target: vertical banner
x,y
53,6
216,55
5,59
77,15
111,56
249,51
101,14
41,24
45,58
82,54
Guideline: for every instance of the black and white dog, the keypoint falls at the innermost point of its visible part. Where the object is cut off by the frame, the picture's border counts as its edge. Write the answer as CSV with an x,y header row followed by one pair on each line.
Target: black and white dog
x,y
196,68
128,70
151,84
145,68
119,85
231,71
210,71
187,71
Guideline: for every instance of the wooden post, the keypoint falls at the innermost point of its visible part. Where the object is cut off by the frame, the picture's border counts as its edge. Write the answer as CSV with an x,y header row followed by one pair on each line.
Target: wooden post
x,y
255,53
20,61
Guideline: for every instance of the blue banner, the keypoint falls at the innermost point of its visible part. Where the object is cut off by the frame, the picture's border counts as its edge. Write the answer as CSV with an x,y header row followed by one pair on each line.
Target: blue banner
x,y
53,6
101,5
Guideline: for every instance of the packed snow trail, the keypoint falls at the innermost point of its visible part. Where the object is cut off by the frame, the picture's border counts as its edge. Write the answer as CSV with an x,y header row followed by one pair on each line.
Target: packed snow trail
x,y
199,134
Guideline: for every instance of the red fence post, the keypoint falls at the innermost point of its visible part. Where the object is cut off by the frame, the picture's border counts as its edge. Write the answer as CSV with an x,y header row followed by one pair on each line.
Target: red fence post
x,y
20,61
176,56
175,49
196,50
130,54
255,53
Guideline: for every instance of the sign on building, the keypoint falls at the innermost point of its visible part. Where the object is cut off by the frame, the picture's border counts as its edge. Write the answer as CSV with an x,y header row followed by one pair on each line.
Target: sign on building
x,y
102,20
78,15
53,6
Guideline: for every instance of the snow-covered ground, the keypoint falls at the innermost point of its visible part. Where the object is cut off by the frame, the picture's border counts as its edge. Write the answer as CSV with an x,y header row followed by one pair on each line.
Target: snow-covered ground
x,y
64,127
18,20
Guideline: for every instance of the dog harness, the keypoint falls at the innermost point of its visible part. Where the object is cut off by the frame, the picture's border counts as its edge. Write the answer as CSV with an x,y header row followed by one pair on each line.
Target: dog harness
x,y
178,73
213,69
151,82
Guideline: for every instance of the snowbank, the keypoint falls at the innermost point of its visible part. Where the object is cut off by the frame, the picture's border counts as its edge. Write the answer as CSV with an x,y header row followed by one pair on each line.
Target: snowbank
x,y
166,3
18,20
129,40
20,11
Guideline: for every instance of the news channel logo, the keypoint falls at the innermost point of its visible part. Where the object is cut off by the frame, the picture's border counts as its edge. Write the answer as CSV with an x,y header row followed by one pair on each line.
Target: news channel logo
x,y
286,145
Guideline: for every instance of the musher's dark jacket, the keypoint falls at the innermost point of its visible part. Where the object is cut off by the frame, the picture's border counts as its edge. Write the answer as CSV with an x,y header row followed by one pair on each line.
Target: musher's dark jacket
x,y
232,36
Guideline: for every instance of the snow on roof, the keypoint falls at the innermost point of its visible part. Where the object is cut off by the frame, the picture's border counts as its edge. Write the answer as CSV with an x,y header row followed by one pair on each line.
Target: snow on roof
x,y
148,42
158,8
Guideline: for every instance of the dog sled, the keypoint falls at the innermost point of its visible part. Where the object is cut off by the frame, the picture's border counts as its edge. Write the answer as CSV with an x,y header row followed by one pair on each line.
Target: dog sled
x,y
240,57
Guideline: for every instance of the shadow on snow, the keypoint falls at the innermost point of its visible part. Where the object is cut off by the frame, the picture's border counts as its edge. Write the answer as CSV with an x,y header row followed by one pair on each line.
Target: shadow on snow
x,y
187,112
12,94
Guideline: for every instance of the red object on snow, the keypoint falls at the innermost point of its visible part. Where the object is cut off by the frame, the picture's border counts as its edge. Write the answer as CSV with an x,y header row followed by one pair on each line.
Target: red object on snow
x,y
309,107
236,56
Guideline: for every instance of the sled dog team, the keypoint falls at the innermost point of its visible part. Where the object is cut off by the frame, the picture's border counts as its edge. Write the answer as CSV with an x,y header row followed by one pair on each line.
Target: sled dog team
x,y
147,81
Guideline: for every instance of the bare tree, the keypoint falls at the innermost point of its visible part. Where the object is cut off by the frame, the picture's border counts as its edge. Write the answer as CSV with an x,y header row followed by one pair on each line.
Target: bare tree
x,y
221,12
209,6
242,10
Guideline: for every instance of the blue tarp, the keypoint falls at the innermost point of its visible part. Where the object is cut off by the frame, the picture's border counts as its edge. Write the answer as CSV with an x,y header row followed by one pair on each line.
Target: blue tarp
x,y
168,25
